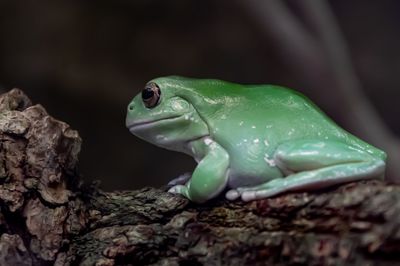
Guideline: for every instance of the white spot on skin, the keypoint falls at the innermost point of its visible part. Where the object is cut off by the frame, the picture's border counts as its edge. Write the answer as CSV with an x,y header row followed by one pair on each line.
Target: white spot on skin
x,y
177,106
266,142
241,123
186,117
223,117
268,126
270,162
319,144
256,141
253,126
245,140
213,145
208,141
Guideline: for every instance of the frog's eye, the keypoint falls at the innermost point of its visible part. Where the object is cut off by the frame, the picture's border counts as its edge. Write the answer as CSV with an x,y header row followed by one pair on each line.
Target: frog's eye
x,y
151,95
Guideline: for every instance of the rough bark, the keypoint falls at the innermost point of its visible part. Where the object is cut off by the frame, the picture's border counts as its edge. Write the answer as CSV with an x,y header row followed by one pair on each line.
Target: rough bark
x,y
49,217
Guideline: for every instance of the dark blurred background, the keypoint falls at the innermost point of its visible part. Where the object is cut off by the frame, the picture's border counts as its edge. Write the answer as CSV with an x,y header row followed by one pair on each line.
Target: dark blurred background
x,y
85,60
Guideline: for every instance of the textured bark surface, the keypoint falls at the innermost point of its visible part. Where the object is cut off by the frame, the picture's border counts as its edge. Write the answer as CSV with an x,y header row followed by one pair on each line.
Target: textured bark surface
x,y
48,217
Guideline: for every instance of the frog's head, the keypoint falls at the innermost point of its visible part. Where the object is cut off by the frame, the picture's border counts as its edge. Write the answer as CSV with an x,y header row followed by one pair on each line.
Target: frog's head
x,y
165,113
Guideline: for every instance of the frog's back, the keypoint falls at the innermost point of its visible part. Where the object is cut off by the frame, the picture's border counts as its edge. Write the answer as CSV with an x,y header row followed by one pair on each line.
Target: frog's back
x,y
287,114
235,111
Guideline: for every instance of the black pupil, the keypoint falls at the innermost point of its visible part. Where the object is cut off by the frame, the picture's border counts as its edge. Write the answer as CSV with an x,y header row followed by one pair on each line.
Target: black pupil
x,y
147,93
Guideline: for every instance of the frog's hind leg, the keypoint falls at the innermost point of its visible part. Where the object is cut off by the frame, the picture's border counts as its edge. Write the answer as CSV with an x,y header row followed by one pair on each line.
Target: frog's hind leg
x,y
313,165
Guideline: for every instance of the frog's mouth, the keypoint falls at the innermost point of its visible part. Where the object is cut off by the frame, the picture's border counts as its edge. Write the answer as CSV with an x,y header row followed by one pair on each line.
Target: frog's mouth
x,y
137,125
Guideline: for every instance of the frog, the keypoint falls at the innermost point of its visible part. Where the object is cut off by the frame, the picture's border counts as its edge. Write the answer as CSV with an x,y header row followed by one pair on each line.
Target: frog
x,y
250,142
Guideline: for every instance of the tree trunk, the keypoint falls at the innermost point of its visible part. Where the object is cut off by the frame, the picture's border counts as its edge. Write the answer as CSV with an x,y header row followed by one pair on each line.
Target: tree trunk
x,y
49,217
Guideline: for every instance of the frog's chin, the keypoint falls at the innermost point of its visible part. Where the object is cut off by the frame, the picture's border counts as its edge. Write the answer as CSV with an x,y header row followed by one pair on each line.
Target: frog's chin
x,y
136,126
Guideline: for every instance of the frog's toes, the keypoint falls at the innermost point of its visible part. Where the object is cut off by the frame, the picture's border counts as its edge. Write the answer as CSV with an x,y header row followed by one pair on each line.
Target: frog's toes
x,y
176,189
180,180
245,193
232,194
249,194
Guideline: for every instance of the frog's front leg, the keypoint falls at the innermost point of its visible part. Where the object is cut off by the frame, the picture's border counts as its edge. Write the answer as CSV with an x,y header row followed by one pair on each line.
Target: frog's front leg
x,y
210,176
313,165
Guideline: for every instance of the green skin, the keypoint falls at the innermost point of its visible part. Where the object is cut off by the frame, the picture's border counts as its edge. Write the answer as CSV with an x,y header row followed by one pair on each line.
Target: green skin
x,y
253,141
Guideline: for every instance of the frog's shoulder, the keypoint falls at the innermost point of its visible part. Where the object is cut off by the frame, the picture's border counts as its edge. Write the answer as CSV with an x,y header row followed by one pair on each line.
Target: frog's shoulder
x,y
275,89
278,92
270,93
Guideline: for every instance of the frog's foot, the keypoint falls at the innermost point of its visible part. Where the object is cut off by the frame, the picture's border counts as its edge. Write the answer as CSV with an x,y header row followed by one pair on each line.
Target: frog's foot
x,y
314,165
178,189
180,180
252,193
232,194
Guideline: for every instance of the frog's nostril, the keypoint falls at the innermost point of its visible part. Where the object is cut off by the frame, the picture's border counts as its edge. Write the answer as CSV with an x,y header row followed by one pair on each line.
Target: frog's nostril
x,y
131,106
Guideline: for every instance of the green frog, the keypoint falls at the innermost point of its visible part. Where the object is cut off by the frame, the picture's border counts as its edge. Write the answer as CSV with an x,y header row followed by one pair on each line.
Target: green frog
x,y
250,141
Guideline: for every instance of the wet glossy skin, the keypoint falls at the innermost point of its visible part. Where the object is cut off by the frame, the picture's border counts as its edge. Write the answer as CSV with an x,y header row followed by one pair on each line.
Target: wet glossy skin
x,y
254,141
